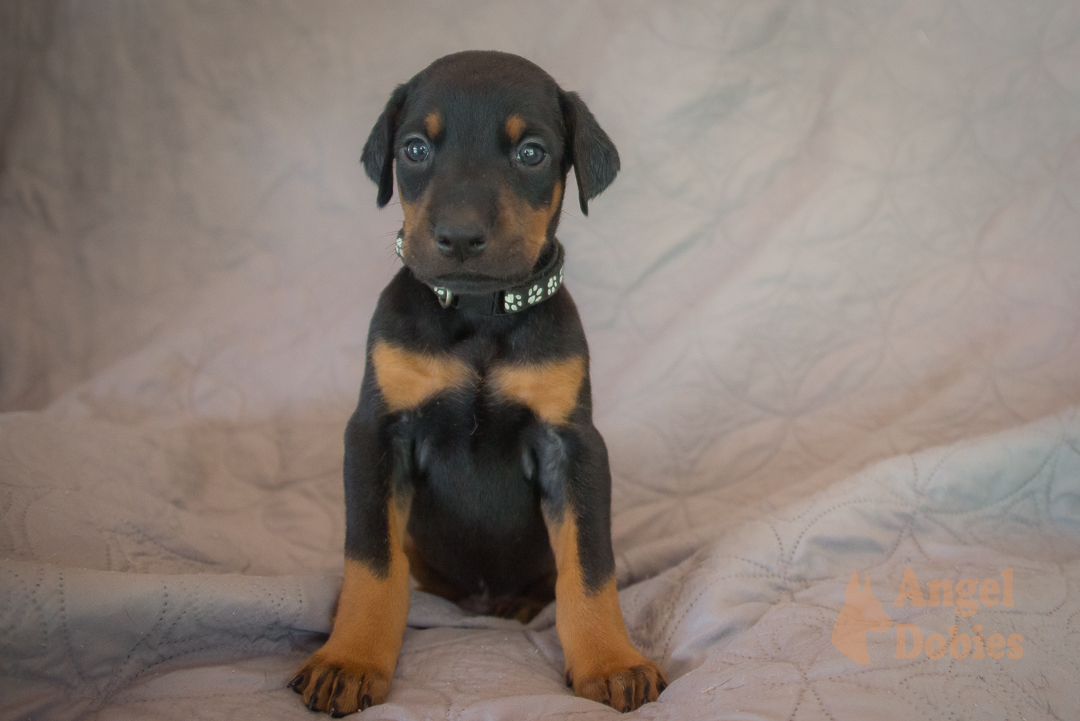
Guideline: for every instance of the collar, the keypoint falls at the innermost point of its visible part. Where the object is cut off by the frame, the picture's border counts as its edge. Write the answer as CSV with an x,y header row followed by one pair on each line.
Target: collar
x,y
537,288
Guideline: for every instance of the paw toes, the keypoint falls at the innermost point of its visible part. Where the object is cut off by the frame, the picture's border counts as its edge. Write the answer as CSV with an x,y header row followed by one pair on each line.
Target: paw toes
x,y
594,689
344,695
337,690
617,687
625,689
311,697
653,681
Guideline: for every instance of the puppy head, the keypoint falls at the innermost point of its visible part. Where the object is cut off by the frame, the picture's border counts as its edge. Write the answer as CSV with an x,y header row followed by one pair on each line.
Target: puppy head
x,y
482,142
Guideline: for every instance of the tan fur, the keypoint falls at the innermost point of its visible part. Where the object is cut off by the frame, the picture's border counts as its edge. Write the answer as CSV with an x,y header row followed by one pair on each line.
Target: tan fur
x,y
358,659
515,126
406,379
415,215
433,123
601,663
519,220
550,390
539,220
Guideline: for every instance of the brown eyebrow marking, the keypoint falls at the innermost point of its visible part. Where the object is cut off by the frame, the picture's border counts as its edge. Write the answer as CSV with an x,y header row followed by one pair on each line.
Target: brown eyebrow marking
x,y
549,389
515,126
433,123
407,379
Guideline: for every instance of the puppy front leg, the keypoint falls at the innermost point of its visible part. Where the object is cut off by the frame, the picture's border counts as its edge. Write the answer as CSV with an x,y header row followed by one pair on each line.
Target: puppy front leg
x,y
601,663
353,669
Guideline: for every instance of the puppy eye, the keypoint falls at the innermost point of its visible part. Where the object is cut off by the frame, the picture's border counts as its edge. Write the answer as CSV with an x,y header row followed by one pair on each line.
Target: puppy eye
x,y
531,154
417,150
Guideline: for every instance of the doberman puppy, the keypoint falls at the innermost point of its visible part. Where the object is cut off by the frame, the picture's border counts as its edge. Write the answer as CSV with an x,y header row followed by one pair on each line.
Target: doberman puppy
x,y
471,459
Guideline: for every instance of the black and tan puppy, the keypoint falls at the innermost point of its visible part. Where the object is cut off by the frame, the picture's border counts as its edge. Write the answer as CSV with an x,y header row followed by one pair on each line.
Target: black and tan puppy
x,y
471,459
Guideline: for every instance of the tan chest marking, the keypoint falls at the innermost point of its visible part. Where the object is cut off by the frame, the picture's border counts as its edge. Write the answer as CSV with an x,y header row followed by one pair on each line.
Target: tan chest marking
x,y
549,389
407,379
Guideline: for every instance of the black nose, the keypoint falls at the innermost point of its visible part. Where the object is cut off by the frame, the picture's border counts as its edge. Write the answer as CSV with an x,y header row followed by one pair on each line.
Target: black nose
x,y
461,241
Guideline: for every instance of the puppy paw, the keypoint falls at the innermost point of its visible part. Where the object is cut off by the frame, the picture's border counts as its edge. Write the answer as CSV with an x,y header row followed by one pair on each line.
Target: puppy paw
x,y
623,687
340,687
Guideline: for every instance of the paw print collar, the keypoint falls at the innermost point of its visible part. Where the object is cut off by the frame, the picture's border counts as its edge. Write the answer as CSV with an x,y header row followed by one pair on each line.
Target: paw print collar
x,y
540,286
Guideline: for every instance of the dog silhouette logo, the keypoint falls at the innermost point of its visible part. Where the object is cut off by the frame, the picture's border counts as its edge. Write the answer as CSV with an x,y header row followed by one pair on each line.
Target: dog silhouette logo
x,y
862,612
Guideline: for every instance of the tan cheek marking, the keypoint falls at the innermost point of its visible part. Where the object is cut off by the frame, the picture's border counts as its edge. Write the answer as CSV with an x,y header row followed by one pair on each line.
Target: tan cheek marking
x,y
521,220
550,389
540,219
409,211
415,218
515,126
406,379
590,624
433,123
415,212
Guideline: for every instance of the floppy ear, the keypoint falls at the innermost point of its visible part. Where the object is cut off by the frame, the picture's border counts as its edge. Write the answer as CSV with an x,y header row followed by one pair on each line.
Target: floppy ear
x,y
595,159
378,154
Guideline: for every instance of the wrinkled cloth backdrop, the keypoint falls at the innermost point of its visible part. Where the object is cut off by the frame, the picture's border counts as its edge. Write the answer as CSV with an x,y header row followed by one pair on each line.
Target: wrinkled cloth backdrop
x,y
833,302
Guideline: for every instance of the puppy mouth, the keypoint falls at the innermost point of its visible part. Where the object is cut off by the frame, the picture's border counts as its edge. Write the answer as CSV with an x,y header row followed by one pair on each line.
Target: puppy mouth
x,y
466,283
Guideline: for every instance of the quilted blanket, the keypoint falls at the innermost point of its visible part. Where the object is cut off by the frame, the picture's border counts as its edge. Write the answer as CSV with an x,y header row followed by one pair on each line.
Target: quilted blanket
x,y
833,305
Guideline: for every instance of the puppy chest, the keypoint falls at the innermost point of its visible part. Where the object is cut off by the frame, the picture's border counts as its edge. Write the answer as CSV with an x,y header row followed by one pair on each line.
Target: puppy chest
x,y
410,380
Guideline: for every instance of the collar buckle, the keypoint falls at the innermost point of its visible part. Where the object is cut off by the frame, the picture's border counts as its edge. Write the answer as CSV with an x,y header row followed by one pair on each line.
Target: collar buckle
x,y
445,296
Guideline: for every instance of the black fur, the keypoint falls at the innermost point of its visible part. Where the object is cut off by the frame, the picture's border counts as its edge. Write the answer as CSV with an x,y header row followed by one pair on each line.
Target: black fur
x,y
476,424
593,155
480,469
378,154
